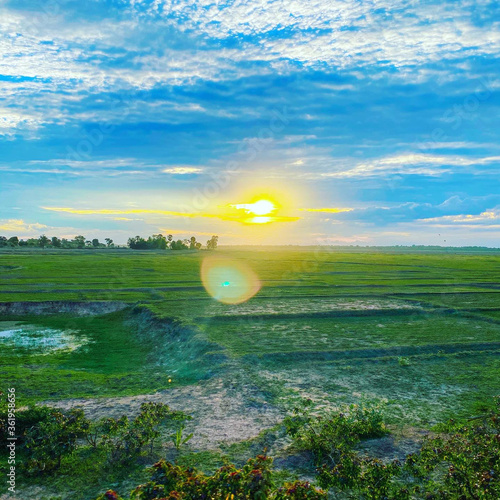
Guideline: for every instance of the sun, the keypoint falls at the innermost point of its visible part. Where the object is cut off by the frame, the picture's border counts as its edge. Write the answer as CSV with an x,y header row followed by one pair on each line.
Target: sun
x,y
259,207
260,211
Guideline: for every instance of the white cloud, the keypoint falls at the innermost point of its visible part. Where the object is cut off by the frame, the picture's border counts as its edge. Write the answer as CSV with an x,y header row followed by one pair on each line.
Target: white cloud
x,y
183,170
488,218
20,226
416,164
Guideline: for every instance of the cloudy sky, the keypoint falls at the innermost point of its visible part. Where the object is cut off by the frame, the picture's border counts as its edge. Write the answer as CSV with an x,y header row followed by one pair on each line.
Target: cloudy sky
x,y
365,122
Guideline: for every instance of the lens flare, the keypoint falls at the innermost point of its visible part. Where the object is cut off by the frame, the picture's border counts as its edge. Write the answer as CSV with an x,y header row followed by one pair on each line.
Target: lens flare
x,y
229,281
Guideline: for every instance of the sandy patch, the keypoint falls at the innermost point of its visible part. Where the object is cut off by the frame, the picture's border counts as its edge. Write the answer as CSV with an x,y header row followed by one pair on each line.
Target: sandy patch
x,y
220,414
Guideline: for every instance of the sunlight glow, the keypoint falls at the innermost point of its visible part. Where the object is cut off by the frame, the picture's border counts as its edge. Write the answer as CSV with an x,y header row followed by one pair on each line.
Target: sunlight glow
x,y
229,281
260,207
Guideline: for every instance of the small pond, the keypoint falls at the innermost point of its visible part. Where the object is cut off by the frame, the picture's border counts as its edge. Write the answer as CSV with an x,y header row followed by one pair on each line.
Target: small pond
x,y
37,338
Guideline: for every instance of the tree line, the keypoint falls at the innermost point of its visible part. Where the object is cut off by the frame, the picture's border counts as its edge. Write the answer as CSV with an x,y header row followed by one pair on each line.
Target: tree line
x,y
160,242
154,242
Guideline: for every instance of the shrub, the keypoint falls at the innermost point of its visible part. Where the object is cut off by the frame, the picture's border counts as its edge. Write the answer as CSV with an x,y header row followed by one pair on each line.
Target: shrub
x,y
251,482
124,440
25,419
53,437
403,361
460,464
330,435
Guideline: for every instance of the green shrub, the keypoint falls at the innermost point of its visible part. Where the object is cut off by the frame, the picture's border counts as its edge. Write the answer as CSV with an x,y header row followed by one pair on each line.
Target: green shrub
x,y
403,361
124,440
328,436
53,437
251,482
25,419
460,464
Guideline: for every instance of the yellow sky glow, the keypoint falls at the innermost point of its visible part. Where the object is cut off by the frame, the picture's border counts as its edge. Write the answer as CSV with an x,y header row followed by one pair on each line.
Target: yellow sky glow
x,y
260,207
261,211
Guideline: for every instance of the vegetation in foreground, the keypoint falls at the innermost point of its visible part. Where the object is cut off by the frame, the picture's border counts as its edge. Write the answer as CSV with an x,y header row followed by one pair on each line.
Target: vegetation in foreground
x,y
459,461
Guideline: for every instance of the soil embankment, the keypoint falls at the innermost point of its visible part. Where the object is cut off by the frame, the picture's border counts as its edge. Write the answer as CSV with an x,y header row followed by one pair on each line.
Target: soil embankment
x,y
60,307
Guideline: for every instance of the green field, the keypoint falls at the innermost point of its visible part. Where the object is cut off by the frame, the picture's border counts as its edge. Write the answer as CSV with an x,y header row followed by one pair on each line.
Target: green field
x,y
332,325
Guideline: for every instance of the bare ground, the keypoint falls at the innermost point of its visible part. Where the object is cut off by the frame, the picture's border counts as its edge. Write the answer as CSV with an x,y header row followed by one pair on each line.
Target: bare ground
x,y
220,414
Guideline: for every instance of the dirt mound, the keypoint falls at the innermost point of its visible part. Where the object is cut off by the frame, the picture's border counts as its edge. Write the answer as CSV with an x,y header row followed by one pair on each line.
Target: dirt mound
x,y
60,307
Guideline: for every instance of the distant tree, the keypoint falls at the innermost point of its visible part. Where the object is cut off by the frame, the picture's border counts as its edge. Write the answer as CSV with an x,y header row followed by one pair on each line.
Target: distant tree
x,y
212,243
66,243
157,241
192,243
95,243
23,243
56,242
3,241
109,242
43,241
170,238
32,242
178,245
14,241
137,243
79,241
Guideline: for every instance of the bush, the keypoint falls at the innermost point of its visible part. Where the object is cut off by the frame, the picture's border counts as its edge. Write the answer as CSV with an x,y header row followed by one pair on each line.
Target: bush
x,y
52,438
330,435
25,419
460,464
124,440
252,482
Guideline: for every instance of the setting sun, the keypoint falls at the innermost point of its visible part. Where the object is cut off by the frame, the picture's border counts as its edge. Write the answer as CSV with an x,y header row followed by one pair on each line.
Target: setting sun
x,y
260,207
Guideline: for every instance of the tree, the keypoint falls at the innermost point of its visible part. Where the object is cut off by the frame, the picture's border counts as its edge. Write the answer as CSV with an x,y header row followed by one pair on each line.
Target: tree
x,y
14,241
95,243
178,245
43,241
109,242
3,241
79,241
157,241
212,243
192,243
56,242
137,243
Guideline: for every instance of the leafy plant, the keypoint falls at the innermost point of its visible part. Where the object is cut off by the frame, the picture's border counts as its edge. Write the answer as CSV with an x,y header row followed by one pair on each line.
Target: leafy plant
x,y
124,439
329,435
178,439
461,463
251,482
403,361
53,437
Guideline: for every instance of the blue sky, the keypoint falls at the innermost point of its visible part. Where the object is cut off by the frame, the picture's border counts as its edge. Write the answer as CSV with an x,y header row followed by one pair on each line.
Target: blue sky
x,y
366,122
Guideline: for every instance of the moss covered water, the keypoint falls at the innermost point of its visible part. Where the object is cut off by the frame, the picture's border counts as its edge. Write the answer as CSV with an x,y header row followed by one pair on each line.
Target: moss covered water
x,y
38,339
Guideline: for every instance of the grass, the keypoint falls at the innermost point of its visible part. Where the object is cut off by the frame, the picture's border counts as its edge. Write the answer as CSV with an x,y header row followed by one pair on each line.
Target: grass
x,y
330,325
125,353
315,306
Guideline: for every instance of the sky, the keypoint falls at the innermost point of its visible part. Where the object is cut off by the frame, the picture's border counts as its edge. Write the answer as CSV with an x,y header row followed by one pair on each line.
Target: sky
x,y
363,122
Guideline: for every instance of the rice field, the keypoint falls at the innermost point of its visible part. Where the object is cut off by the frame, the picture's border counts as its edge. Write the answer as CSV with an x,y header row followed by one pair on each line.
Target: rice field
x,y
419,331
